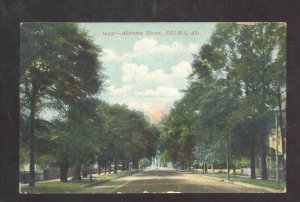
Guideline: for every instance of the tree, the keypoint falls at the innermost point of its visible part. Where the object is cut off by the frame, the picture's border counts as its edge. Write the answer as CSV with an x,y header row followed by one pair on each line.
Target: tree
x,y
231,94
177,138
128,137
59,64
278,85
243,56
255,47
86,129
61,138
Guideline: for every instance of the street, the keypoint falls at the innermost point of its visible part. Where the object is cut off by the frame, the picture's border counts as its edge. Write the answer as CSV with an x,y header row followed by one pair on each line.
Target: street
x,y
168,181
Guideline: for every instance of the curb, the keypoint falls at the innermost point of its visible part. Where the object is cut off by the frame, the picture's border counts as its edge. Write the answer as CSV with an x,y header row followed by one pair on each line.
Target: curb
x,y
245,184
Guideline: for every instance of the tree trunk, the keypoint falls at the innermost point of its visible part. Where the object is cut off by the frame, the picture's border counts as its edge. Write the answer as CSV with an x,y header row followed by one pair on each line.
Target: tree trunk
x,y
84,173
135,164
252,158
99,168
282,130
123,165
77,175
31,143
264,172
109,168
127,164
234,173
105,162
116,166
64,172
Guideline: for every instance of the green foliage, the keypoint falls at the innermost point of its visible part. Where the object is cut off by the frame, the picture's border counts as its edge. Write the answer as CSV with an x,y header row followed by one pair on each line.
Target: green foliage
x,y
144,162
164,158
60,70
128,135
231,94
176,138
23,157
243,163
59,63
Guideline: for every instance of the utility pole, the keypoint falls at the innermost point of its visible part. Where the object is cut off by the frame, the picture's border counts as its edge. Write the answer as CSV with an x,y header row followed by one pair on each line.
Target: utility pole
x,y
227,153
276,154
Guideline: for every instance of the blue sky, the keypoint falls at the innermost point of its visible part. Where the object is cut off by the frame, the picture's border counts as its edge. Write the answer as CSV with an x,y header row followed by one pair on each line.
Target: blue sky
x,y
147,72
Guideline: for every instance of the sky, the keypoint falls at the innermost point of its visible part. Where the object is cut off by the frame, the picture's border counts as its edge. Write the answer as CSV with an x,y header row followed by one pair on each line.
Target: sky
x,y
147,64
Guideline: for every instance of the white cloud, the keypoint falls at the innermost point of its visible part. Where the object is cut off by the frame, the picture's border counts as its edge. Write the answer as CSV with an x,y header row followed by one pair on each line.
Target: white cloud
x,y
146,44
140,74
110,55
151,90
140,83
149,46
112,90
178,48
161,92
182,70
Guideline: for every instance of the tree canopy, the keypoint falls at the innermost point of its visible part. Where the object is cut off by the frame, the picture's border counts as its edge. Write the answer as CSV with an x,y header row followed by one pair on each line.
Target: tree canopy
x,y
59,68
238,80
61,72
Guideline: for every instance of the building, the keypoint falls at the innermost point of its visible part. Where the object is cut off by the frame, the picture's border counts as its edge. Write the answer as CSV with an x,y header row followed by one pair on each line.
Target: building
x,y
272,141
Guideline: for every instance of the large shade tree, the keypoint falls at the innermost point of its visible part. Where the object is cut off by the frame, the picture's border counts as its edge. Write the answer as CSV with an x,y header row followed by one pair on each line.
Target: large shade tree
x,y
250,57
59,65
238,80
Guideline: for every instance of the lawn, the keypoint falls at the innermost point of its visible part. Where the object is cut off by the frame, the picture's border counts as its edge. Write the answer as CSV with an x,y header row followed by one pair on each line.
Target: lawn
x,y
265,183
72,186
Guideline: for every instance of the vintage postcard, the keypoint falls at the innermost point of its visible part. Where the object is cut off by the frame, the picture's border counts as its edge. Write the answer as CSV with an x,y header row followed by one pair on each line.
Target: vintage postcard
x,y
152,107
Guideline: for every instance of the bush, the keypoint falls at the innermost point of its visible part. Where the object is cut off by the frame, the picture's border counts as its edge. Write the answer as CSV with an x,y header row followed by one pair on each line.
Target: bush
x,y
144,162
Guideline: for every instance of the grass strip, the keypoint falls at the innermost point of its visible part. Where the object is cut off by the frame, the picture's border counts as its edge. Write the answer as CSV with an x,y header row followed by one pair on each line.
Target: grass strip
x,y
72,186
259,183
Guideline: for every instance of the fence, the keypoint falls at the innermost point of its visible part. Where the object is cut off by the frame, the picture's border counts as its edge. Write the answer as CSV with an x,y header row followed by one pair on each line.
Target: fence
x,y
54,173
24,176
46,174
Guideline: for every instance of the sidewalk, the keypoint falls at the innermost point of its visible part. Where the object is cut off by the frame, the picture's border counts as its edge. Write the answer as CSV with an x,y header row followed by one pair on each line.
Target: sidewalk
x,y
245,184
73,186
69,178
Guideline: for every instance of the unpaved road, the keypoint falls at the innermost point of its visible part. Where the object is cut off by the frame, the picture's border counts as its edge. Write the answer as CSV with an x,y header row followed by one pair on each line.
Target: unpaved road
x,y
163,181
